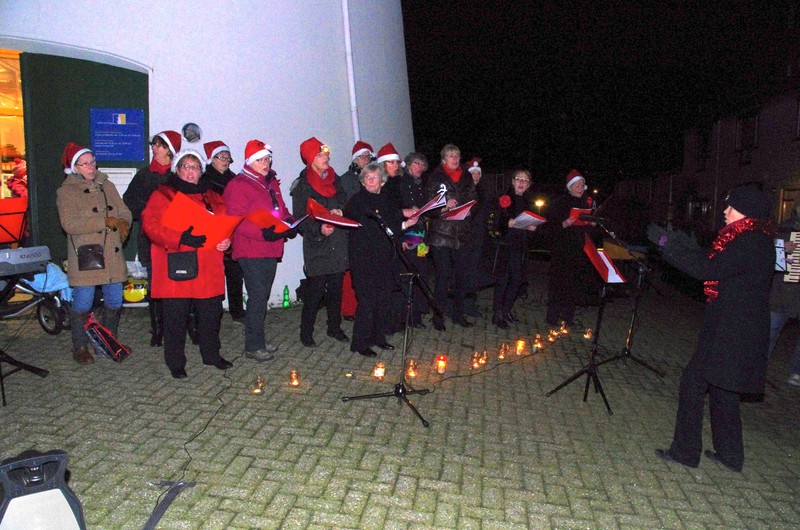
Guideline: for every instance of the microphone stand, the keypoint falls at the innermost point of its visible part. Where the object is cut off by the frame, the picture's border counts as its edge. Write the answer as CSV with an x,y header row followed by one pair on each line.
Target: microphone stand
x,y
401,389
641,269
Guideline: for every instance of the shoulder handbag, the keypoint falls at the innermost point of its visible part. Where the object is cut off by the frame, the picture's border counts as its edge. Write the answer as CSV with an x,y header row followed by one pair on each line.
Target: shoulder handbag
x,y
182,266
90,257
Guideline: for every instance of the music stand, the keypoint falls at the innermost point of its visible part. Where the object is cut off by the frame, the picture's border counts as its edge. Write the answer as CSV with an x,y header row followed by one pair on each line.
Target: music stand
x,y
402,389
641,270
12,225
609,273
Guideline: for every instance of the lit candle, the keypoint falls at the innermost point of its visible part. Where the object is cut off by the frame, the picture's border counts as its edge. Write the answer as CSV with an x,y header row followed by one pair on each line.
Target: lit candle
x,y
411,371
563,329
484,357
258,387
587,334
441,364
379,371
520,347
294,379
476,360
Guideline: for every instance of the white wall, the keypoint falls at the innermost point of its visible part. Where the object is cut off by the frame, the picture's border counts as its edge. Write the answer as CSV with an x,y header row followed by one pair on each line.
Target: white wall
x,y
272,70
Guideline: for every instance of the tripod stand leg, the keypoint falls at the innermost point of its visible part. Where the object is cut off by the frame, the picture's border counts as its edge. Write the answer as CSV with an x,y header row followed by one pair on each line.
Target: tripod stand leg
x,y
572,378
400,392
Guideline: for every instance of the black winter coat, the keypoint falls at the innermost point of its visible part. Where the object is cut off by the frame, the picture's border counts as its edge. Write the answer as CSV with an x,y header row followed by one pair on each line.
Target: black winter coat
x,y
371,251
443,233
322,255
734,337
215,180
143,184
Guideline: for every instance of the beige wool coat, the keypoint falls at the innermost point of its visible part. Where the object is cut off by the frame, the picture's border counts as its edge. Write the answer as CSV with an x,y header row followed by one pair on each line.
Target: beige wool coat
x,y
83,206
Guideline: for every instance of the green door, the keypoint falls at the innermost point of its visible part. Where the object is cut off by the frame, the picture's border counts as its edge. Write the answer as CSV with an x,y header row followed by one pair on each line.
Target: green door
x,y
57,95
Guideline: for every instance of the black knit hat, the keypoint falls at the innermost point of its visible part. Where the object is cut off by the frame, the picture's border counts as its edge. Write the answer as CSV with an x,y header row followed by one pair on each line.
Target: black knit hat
x,y
750,201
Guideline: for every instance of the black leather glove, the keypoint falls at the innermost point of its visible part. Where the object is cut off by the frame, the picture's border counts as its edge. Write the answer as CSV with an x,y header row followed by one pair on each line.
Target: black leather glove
x,y
191,240
269,234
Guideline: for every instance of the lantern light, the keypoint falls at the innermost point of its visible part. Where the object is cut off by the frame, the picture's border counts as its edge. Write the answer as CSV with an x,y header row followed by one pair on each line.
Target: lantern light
x,y
379,371
294,378
441,364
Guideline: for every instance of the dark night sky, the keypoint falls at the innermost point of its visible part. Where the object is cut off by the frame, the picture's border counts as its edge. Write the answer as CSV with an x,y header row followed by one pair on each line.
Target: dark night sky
x,y
608,87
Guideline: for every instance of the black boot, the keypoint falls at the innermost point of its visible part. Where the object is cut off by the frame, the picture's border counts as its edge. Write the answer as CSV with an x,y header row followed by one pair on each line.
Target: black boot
x,y
80,340
111,319
156,322
499,321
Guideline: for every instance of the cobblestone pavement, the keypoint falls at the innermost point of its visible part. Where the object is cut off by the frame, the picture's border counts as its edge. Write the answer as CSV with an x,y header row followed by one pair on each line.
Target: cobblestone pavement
x,y
498,454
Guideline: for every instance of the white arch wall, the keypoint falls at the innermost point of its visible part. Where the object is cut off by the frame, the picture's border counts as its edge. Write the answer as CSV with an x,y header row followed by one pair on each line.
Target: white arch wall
x,y
273,70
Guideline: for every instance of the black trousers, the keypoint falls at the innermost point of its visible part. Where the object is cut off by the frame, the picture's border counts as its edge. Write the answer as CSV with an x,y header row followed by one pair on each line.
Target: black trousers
x,y
509,280
176,312
450,264
329,287
373,290
726,420
234,278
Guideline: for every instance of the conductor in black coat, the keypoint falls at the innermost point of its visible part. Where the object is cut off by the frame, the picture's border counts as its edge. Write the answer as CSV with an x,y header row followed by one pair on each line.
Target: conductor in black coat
x,y
731,355
371,253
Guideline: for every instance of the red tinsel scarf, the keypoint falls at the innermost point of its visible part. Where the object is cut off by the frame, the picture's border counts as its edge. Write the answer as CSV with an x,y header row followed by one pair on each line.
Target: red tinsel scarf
x,y
724,237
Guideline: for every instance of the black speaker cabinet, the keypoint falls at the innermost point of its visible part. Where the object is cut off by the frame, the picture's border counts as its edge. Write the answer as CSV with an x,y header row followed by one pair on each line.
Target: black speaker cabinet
x,y
36,495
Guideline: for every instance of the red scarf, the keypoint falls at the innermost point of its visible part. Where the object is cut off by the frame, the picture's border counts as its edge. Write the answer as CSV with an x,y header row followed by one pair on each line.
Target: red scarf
x,y
455,175
325,187
724,237
155,167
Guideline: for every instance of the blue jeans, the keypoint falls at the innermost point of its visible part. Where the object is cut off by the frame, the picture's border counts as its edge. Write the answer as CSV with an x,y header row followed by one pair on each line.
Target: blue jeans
x,y
83,297
776,323
259,273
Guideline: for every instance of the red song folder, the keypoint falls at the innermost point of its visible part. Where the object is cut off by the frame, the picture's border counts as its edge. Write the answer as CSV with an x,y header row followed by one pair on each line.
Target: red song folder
x,y
604,266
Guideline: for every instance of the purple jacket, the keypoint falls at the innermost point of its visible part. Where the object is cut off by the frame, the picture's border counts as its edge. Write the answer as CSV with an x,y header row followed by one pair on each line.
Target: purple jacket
x,y
248,192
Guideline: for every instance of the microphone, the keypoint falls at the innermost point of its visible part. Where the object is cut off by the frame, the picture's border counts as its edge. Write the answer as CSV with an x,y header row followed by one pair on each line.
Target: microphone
x,y
379,219
591,218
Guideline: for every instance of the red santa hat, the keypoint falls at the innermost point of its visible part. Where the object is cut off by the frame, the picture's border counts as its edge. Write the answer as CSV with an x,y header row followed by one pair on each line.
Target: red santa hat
x,y
173,140
473,164
361,148
256,150
387,153
183,154
71,155
214,148
311,148
573,177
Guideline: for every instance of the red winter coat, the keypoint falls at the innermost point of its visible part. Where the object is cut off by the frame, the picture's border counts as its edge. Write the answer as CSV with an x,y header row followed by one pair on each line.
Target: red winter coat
x,y
245,193
210,279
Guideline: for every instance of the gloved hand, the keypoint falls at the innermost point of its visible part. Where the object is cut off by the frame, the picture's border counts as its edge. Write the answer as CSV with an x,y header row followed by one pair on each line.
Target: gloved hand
x,y
191,240
269,234
120,225
291,233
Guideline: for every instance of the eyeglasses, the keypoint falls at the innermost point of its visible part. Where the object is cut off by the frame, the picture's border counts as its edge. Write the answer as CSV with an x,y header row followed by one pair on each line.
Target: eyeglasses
x,y
160,143
87,164
372,177
190,167
224,158
519,179
264,160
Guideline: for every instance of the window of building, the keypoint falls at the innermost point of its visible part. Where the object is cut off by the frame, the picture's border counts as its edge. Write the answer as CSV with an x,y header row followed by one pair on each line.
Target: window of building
x,y
12,129
788,198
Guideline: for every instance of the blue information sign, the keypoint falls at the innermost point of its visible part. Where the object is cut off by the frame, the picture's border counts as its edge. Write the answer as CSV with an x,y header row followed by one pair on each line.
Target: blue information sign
x,y
117,134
